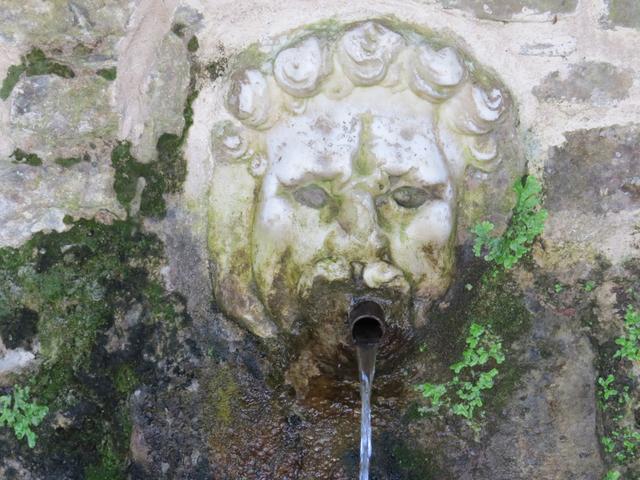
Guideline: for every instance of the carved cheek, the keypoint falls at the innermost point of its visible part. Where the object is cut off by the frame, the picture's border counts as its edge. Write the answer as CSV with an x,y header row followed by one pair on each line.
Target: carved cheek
x,y
419,248
275,219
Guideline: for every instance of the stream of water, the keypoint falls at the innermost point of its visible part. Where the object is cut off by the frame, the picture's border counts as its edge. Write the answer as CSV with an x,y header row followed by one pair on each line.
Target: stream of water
x,y
367,367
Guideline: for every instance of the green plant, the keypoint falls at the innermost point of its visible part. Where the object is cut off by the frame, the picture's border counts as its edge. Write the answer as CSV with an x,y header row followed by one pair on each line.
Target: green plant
x,y
21,414
630,343
558,287
526,224
608,444
607,391
589,286
612,475
463,394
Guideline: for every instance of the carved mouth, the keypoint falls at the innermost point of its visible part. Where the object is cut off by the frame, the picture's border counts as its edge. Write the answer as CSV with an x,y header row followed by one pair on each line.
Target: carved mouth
x,y
378,276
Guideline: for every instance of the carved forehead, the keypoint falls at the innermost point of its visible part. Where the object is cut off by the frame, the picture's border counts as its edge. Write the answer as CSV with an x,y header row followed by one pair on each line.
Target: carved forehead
x,y
316,145
325,142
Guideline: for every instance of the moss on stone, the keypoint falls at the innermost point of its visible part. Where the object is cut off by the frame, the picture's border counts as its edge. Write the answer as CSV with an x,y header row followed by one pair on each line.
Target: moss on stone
x,y
193,44
128,171
107,73
37,63
71,161
33,63
20,156
73,285
125,379
218,68
171,162
221,392
495,301
10,81
178,29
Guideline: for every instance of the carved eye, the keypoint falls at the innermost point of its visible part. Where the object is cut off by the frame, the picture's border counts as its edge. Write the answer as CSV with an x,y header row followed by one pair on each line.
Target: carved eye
x,y
411,197
311,196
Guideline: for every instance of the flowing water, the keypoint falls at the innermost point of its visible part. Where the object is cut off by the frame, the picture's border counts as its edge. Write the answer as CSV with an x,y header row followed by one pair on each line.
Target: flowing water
x,y
367,367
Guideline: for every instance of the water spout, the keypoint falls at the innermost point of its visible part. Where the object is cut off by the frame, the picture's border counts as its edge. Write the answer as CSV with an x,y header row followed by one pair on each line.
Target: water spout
x,y
367,329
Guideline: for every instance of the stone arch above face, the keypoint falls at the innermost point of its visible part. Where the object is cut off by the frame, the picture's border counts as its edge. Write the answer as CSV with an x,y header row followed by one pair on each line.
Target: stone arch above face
x,y
341,161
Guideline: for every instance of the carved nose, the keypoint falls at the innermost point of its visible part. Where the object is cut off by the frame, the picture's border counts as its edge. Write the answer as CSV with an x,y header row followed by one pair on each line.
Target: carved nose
x,y
359,219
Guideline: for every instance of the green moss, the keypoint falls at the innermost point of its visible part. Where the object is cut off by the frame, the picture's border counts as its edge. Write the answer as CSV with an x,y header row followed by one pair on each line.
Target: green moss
x,y
21,156
37,63
414,463
217,68
178,29
494,301
221,390
128,171
125,379
71,161
33,63
107,73
72,286
172,165
110,465
10,81
193,44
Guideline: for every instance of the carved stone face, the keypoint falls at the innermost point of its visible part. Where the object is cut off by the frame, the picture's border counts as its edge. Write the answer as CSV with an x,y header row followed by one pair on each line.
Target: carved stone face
x,y
344,171
356,193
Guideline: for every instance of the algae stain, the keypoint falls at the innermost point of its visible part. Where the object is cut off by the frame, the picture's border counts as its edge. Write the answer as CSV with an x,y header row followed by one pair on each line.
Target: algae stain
x,y
193,44
72,285
33,63
11,80
222,391
20,156
107,73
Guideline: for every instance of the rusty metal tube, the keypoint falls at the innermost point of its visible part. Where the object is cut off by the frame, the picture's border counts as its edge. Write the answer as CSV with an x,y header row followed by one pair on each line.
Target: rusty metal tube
x,y
366,322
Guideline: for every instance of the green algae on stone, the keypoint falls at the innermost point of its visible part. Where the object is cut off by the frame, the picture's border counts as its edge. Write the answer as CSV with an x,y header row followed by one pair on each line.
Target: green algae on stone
x,y
33,63
21,156
218,68
74,285
171,162
37,63
71,161
193,44
107,73
221,390
178,29
10,81
128,171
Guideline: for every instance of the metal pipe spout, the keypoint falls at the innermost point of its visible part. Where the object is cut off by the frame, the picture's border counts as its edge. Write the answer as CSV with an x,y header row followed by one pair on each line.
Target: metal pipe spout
x,y
367,323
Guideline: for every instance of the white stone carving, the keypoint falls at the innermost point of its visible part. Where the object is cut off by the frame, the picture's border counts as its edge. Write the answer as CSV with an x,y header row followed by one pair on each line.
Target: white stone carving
x,y
344,171
300,69
436,73
249,98
366,51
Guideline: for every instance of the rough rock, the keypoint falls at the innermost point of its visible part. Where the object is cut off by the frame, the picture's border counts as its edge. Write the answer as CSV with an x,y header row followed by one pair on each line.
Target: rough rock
x,y
622,13
38,198
591,192
512,10
599,83
50,114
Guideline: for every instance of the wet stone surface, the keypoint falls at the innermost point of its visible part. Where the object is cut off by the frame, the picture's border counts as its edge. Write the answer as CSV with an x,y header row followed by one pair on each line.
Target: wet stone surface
x,y
598,83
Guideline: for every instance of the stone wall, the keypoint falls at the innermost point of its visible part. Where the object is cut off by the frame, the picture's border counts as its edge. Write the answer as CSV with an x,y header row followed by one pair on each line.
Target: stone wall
x,y
106,301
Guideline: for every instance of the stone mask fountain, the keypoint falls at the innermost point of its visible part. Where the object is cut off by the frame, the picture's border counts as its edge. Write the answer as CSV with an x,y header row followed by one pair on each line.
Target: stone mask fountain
x,y
340,161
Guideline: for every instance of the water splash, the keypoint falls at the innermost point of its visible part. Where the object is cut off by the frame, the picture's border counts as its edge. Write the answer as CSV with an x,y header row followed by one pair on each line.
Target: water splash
x,y
367,367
